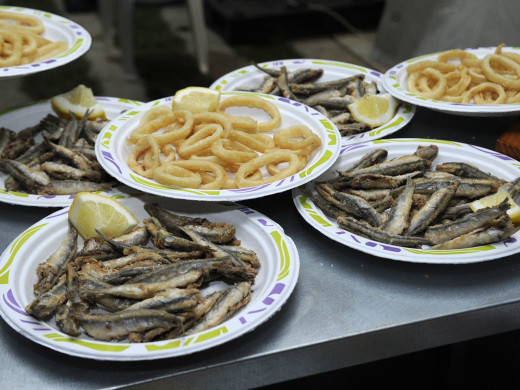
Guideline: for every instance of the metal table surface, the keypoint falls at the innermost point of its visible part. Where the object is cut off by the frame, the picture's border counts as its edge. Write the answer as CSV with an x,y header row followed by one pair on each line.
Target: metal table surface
x,y
348,307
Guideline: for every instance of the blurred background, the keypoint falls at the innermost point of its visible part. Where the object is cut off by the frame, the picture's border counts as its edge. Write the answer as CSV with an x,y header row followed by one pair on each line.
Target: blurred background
x,y
145,50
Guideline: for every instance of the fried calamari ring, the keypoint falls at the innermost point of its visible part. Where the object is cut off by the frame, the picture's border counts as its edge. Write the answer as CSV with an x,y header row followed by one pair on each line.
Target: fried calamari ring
x,y
422,65
203,118
201,140
242,176
179,129
212,176
28,22
457,82
139,153
173,175
254,102
232,151
152,120
456,54
259,142
433,84
488,67
498,94
296,137
14,42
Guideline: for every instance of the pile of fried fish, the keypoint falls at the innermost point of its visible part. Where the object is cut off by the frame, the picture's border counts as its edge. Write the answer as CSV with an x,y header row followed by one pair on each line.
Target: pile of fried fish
x,y
54,157
406,201
331,98
156,282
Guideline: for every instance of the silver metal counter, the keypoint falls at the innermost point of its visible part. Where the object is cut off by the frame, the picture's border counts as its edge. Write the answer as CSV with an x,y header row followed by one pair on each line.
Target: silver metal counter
x,y
348,307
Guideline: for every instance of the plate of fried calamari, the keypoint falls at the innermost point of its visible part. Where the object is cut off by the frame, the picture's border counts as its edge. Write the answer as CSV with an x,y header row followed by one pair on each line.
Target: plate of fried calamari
x,y
46,159
327,86
473,82
189,277
250,146
34,41
416,200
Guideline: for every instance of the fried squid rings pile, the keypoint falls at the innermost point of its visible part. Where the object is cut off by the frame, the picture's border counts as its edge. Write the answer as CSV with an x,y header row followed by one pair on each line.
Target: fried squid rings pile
x,y
218,150
461,77
21,41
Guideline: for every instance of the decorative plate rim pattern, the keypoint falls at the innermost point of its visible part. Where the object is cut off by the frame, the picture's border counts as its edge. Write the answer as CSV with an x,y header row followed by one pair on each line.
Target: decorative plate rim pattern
x,y
401,118
327,226
277,286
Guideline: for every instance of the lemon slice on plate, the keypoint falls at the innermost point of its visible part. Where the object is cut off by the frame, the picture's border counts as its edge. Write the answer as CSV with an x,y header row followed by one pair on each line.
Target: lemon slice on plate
x,y
374,110
77,101
196,99
90,211
494,200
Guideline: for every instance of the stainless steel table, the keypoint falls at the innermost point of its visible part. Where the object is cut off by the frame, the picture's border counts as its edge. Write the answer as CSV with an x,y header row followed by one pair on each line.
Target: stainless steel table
x,y
348,307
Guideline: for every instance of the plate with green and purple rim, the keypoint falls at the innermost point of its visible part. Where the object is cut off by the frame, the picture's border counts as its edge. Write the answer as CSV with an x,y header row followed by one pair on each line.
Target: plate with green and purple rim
x,y
57,28
19,118
487,160
113,150
395,82
274,283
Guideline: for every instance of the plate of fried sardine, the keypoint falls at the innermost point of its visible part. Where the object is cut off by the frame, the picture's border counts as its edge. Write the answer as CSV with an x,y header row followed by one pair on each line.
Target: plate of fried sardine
x,y
327,86
189,277
411,200
45,160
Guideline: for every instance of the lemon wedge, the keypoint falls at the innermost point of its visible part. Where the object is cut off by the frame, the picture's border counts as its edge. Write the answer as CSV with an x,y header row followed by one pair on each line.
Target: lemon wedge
x,y
77,101
494,200
90,211
374,110
196,99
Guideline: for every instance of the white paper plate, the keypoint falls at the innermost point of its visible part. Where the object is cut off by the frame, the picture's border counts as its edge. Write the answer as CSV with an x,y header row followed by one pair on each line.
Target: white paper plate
x,y
395,82
274,283
487,160
20,118
57,28
250,76
112,151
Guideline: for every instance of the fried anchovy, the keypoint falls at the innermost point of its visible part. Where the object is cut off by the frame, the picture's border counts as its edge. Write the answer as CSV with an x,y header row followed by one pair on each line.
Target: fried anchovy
x,y
493,232
118,325
283,84
171,300
5,137
352,204
373,181
46,304
466,170
467,187
429,152
397,166
32,179
465,224
69,187
50,271
364,229
397,219
234,298
66,172
367,160
431,210
310,89
328,208
512,188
